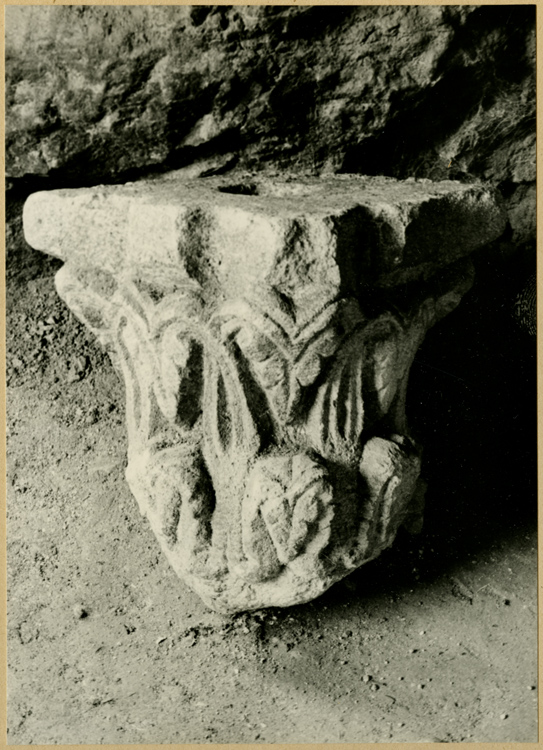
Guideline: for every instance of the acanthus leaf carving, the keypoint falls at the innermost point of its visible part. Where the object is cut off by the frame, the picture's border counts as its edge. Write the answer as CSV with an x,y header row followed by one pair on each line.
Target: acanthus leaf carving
x,y
286,510
248,428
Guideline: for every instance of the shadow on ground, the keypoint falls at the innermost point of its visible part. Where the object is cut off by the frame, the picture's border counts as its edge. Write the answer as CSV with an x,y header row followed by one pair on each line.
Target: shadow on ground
x,y
435,640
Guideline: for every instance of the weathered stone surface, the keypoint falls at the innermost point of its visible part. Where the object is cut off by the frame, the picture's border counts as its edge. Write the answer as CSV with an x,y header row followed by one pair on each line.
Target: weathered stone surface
x,y
230,234
419,91
265,330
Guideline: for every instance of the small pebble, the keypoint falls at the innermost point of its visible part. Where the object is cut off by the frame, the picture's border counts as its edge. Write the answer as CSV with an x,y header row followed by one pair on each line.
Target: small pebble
x,y
503,716
531,687
401,723
366,678
80,612
420,686
374,687
422,632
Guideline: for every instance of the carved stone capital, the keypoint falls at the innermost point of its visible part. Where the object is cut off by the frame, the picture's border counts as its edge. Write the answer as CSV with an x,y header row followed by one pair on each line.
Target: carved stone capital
x,y
265,331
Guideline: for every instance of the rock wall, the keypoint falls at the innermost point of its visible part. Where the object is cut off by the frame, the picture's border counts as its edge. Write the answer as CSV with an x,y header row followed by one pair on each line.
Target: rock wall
x,y
103,94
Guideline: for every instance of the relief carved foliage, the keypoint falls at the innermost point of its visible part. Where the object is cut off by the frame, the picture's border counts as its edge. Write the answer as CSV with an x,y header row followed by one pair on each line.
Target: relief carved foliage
x,y
246,428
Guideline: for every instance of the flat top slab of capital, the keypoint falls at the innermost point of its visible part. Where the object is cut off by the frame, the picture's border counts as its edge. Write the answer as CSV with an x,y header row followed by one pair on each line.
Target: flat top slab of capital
x,y
391,225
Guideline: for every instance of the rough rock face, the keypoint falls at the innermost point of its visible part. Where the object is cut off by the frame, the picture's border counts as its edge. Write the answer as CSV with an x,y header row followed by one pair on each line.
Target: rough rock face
x,y
265,331
93,92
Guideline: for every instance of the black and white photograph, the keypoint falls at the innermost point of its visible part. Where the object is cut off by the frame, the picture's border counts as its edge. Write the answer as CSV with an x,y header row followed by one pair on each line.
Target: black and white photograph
x,y
271,410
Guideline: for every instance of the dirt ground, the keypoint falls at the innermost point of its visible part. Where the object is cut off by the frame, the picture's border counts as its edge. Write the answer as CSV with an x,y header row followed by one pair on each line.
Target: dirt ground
x,y
434,641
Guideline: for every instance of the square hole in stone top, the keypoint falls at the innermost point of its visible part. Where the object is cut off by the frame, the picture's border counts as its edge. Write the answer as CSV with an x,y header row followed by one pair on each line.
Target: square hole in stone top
x,y
273,188
242,188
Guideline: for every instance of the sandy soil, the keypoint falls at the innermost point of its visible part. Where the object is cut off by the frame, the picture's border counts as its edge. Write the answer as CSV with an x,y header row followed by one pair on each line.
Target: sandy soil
x,y
434,641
